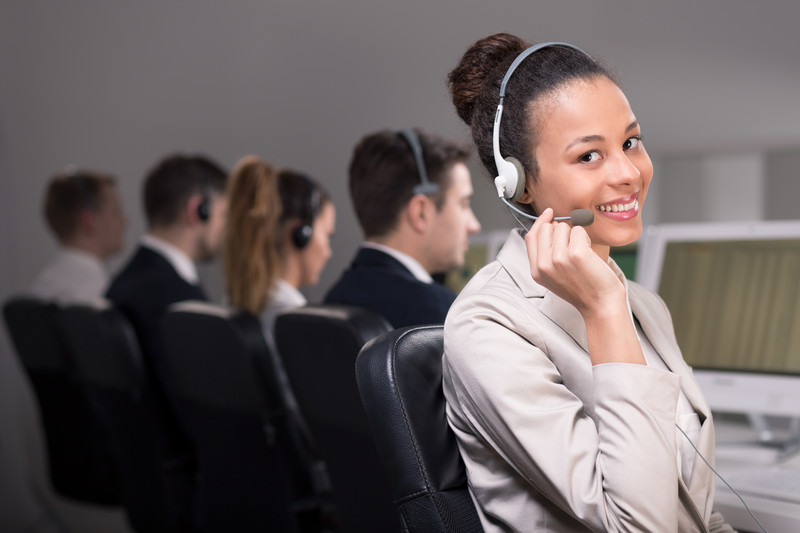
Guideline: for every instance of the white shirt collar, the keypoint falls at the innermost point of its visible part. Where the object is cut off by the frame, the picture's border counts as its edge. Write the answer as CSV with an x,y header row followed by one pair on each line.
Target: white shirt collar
x,y
286,295
176,257
416,269
82,256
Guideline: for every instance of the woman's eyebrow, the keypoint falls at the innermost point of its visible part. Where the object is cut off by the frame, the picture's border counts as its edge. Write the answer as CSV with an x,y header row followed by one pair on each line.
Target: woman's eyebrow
x,y
593,138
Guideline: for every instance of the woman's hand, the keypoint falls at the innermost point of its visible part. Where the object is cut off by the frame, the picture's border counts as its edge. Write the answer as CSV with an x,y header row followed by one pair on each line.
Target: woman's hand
x,y
562,260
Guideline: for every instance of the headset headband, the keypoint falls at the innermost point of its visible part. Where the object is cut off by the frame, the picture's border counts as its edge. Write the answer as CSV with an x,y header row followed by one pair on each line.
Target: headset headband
x,y
424,187
510,174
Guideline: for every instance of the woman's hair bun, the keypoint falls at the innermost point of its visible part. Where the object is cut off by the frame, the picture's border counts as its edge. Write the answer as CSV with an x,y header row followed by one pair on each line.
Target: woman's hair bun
x,y
477,67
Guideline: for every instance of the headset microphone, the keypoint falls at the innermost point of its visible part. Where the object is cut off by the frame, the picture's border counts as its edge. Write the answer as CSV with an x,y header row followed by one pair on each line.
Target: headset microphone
x,y
577,217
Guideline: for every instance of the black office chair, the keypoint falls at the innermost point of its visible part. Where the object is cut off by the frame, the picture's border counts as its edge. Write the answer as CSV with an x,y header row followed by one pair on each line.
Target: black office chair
x,y
400,380
255,474
79,450
157,473
318,345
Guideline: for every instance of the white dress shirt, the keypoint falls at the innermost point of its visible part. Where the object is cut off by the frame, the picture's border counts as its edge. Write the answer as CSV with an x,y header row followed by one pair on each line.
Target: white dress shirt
x,y
73,276
416,269
181,262
282,296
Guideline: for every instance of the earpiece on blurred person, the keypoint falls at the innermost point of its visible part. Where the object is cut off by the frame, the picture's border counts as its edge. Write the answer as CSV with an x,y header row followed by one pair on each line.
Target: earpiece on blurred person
x,y
84,212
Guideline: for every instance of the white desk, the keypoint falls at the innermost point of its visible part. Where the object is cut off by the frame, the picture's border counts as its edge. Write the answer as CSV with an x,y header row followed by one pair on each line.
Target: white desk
x,y
734,454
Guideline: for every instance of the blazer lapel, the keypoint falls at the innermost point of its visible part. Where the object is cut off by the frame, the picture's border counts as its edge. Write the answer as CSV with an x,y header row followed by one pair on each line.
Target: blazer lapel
x,y
514,258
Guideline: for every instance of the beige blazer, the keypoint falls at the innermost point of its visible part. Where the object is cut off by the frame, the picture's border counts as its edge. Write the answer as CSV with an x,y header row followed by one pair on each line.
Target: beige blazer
x,y
552,443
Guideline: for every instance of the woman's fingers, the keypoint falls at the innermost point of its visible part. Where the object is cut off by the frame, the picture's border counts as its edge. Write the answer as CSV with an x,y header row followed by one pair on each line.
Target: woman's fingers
x,y
533,238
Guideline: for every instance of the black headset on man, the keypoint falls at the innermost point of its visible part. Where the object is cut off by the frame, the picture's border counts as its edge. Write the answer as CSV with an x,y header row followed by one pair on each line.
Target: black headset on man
x,y
424,186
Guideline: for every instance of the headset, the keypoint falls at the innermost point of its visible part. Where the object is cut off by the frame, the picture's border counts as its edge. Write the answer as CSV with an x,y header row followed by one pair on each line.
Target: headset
x,y
204,207
424,186
302,234
510,180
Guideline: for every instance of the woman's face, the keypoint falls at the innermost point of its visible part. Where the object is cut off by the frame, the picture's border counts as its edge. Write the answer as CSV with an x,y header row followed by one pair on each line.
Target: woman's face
x,y
316,254
590,156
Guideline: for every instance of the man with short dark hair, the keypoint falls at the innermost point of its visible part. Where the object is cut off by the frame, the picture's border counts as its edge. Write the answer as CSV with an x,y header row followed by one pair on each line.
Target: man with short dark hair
x,y
186,208
410,232
84,212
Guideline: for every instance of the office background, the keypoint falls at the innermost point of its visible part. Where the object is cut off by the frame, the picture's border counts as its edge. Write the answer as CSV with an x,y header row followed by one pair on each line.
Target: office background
x,y
115,86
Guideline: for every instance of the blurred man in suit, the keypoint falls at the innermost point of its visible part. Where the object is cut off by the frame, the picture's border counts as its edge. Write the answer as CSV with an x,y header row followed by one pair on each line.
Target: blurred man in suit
x,y
185,205
411,229
84,212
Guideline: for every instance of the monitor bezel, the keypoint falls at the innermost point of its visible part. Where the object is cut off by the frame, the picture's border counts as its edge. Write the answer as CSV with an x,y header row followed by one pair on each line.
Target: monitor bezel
x,y
732,391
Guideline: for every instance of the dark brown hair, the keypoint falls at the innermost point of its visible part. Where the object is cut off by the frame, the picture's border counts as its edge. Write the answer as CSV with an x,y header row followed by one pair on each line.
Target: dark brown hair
x,y
68,194
302,197
475,89
173,180
383,173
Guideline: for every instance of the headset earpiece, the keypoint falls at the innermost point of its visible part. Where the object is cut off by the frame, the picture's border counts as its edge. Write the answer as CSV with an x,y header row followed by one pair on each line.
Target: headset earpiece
x,y
301,235
204,209
514,174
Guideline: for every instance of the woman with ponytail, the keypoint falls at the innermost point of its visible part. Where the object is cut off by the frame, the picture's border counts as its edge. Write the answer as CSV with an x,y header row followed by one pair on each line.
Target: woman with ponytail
x,y
565,387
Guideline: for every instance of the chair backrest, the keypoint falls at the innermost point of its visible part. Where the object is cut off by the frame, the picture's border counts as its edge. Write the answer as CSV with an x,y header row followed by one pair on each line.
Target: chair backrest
x,y
220,372
400,380
79,450
318,345
156,470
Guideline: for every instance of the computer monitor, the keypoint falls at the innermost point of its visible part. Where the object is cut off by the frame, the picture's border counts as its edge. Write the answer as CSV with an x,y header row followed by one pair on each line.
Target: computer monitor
x,y
733,290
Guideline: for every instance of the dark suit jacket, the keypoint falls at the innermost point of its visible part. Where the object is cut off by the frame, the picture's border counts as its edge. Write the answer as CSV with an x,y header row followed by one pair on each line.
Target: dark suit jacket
x,y
143,290
378,281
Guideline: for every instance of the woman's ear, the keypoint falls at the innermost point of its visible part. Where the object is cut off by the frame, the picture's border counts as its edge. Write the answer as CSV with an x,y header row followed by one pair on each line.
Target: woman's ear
x,y
527,193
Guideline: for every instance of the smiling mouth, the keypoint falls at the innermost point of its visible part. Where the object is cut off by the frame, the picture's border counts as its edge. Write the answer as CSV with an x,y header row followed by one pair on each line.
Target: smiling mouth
x,y
619,208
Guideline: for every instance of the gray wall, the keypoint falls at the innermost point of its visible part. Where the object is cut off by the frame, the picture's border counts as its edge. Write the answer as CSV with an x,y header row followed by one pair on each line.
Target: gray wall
x,y
117,85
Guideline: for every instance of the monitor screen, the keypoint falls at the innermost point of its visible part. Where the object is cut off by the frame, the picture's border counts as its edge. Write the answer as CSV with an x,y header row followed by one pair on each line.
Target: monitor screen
x,y
735,304
733,291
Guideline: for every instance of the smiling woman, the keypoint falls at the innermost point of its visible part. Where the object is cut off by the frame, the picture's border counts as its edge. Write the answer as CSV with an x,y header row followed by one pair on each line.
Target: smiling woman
x,y
566,390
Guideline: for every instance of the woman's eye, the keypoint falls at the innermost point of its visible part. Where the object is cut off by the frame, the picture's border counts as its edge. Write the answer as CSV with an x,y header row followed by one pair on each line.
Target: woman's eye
x,y
590,157
632,143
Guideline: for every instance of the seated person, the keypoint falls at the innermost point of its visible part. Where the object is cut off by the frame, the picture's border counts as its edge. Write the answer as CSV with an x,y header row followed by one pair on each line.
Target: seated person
x,y
185,208
305,227
83,210
416,222
566,390
278,240
279,231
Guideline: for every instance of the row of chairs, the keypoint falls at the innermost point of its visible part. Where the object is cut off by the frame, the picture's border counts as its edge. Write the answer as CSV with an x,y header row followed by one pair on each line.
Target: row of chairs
x,y
381,430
